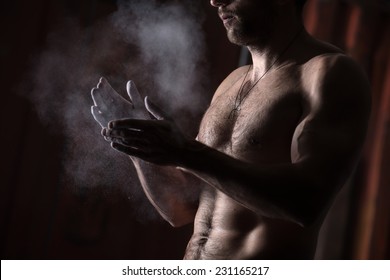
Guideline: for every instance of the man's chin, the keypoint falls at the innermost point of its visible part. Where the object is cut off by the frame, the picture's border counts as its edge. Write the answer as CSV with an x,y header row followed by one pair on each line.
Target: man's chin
x,y
235,38
241,39
238,40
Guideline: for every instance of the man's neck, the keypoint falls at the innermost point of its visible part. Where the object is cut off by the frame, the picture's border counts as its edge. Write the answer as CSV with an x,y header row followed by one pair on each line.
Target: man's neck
x,y
279,49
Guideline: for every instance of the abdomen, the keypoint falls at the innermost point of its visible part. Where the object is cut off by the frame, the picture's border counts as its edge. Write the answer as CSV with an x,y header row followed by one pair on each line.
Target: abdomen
x,y
226,230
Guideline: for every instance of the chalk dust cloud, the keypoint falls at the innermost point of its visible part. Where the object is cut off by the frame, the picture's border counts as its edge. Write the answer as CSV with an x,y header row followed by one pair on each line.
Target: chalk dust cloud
x,y
158,46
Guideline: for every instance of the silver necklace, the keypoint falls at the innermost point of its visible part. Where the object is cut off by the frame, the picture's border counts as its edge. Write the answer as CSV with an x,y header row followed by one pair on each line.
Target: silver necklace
x,y
240,97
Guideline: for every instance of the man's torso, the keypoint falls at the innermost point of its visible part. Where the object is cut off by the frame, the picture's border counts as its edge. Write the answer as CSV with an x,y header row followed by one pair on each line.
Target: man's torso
x,y
260,132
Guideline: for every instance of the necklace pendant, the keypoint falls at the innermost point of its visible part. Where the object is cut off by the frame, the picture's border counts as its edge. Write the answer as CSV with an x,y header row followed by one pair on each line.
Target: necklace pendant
x,y
233,113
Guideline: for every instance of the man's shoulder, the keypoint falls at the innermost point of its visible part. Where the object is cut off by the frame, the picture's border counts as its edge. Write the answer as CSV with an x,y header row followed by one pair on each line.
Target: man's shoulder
x,y
334,71
332,81
327,65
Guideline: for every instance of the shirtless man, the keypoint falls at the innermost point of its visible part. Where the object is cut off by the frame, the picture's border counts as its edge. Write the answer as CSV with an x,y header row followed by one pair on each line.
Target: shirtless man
x,y
274,148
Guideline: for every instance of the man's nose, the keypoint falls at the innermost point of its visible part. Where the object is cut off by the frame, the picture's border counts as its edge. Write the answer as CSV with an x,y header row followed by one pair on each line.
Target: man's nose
x,y
218,3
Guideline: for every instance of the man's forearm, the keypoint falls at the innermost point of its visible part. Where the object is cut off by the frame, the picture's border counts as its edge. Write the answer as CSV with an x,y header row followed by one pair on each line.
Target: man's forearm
x,y
279,191
172,192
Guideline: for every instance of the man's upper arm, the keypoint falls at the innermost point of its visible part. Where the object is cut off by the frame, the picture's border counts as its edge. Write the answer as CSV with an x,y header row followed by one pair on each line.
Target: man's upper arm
x,y
327,141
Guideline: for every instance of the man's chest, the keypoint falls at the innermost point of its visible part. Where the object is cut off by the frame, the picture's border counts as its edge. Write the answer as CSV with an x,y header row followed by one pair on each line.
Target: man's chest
x,y
257,119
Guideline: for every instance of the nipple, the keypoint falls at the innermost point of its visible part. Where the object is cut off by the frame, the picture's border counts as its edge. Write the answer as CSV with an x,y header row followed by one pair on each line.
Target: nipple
x,y
254,141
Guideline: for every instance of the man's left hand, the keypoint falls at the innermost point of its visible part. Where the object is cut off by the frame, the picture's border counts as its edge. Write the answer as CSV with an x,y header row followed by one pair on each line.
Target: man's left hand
x,y
158,141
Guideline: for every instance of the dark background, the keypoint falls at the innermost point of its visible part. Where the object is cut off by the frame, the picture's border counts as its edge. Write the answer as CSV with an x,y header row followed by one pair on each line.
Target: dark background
x,y
43,218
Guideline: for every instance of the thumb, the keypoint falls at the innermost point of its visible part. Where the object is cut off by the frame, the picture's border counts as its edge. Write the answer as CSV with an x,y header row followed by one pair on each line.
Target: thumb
x,y
155,110
133,93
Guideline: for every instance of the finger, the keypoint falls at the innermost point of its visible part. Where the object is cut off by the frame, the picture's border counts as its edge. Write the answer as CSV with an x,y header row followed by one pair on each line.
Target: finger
x,y
98,116
103,83
132,124
104,133
108,139
124,133
133,143
128,136
95,103
156,111
134,95
96,97
100,98
104,94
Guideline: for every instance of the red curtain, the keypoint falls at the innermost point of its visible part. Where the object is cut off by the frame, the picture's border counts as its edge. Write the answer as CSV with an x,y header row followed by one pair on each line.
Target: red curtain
x,y
362,29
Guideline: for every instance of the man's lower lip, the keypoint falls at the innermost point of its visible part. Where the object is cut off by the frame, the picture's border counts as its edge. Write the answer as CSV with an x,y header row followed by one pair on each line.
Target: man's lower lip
x,y
228,21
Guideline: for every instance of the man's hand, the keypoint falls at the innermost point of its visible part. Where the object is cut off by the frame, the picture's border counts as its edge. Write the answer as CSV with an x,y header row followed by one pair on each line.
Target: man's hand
x,y
110,105
158,141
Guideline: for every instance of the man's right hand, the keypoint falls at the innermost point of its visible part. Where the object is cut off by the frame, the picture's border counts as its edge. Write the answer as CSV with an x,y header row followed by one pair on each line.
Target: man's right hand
x,y
110,105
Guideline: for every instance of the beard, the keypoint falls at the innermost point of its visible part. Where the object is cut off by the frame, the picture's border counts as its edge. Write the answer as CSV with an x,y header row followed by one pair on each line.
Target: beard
x,y
248,30
242,35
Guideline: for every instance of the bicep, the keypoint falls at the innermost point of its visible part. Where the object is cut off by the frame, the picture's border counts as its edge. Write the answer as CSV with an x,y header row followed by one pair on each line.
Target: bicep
x,y
326,151
328,140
